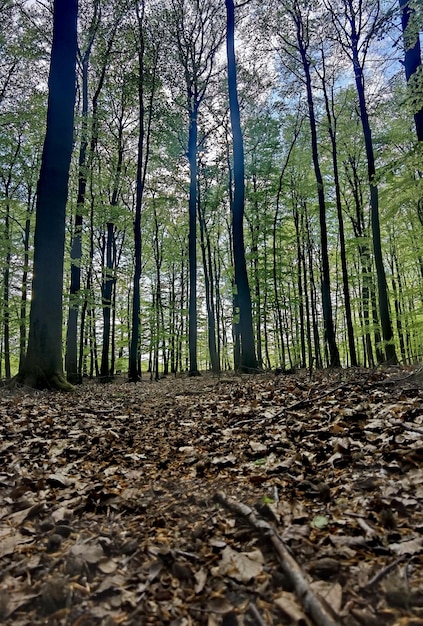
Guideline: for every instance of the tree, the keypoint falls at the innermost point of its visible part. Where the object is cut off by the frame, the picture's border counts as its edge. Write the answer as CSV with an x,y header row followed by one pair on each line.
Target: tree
x,y
43,364
196,29
145,117
357,23
248,359
300,15
71,357
332,130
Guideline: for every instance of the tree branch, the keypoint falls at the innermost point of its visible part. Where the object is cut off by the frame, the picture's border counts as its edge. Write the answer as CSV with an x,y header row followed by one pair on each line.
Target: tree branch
x,y
309,601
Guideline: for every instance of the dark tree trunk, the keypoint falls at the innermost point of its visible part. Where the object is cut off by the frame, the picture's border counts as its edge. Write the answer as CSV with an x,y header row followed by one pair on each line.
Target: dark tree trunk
x,y
7,179
330,339
24,284
143,152
412,58
247,352
300,263
345,281
306,296
134,373
192,239
106,298
385,318
313,294
208,284
279,321
71,357
43,365
6,292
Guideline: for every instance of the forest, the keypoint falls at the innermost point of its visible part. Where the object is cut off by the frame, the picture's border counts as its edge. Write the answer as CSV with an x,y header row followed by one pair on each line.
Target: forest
x,y
216,208
244,189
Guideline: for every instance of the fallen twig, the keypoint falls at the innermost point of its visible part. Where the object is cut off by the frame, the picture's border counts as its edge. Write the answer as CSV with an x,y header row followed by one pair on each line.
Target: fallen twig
x,y
256,615
377,577
310,603
304,401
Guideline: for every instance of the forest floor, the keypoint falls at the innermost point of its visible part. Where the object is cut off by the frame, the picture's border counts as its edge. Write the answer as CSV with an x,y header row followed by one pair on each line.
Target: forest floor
x,y
120,503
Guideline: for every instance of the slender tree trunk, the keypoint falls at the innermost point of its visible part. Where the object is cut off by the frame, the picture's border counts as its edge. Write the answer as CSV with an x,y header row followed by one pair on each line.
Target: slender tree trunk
x,y
300,286
208,284
345,281
134,373
172,320
385,318
144,130
279,321
330,338
106,298
192,238
24,284
306,296
43,364
313,295
7,179
6,292
248,353
256,284
74,375
71,357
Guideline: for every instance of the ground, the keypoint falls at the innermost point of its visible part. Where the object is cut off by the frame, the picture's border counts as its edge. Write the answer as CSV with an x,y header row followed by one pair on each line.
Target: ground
x,y
109,513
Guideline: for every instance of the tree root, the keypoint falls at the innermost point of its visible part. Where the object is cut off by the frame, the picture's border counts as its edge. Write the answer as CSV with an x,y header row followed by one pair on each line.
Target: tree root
x,y
309,601
42,380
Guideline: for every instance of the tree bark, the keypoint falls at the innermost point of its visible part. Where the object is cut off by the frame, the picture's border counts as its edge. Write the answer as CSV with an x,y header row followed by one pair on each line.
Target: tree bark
x,y
345,281
145,115
192,237
248,359
330,339
107,297
385,318
73,372
43,364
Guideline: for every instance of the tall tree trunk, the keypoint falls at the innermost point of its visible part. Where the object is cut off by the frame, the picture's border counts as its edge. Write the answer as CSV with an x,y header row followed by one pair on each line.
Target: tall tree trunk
x,y
279,322
24,281
71,356
345,281
247,353
43,364
300,262
74,375
6,292
7,180
143,152
313,293
385,318
330,339
107,297
192,237
208,284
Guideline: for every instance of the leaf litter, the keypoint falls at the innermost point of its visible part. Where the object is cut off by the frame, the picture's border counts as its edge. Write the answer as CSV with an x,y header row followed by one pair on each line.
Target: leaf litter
x,y
110,510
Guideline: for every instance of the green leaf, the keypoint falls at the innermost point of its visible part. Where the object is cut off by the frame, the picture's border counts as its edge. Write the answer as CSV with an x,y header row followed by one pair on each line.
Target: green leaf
x,y
320,521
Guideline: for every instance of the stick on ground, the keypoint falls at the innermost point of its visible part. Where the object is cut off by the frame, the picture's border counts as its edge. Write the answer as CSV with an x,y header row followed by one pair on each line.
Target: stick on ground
x,y
309,601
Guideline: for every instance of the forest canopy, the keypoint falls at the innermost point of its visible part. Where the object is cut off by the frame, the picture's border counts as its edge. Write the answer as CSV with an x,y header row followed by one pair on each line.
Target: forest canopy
x,y
318,183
